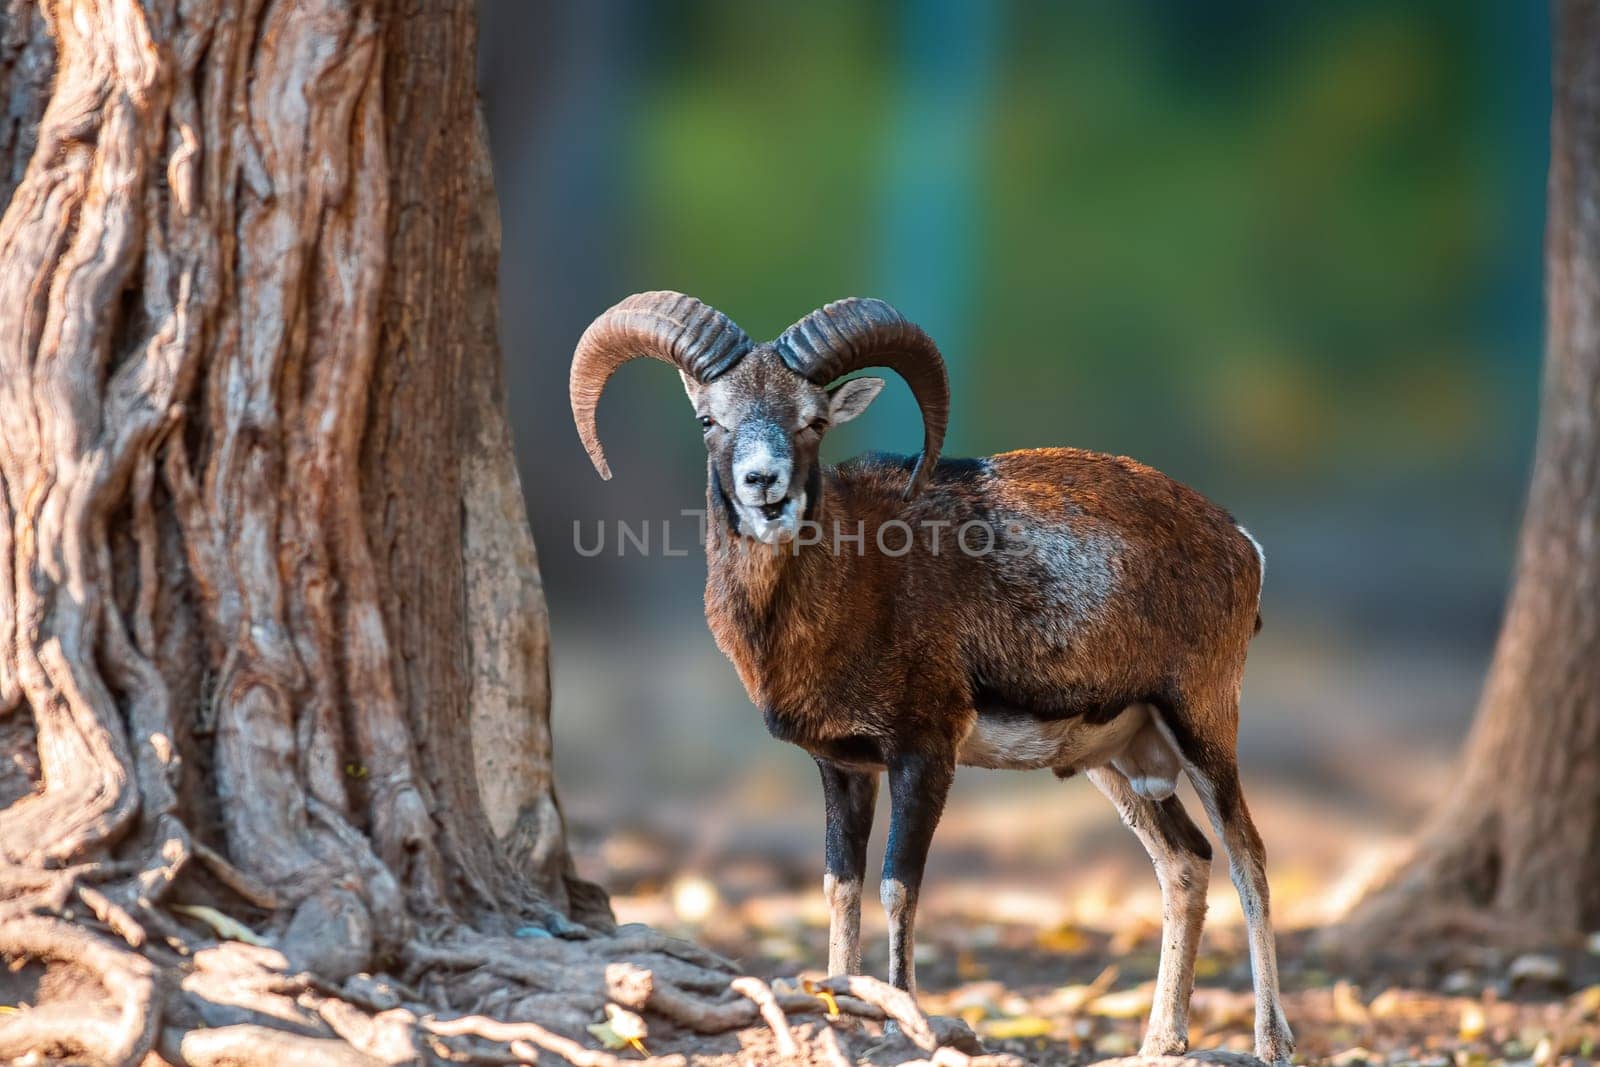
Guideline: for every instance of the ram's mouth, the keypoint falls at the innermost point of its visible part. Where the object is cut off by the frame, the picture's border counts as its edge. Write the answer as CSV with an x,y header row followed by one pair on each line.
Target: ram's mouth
x,y
774,523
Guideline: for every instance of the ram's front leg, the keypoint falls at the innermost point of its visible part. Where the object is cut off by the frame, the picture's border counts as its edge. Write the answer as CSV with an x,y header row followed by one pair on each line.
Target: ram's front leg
x,y
848,798
918,785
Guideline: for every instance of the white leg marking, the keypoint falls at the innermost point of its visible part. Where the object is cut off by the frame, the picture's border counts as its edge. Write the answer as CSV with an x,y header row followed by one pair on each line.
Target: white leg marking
x,y
844,924
900,905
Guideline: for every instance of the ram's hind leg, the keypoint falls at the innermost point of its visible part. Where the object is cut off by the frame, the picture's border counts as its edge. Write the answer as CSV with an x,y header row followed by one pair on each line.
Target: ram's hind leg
x,y
1208,758
1182,858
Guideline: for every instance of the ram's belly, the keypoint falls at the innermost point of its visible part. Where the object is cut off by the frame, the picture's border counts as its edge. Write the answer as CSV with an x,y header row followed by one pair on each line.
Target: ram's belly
x,y
1019,741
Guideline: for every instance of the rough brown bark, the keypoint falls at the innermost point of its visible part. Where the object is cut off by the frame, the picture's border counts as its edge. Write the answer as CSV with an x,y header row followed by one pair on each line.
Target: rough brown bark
x,y
264,566
249,370
1513,854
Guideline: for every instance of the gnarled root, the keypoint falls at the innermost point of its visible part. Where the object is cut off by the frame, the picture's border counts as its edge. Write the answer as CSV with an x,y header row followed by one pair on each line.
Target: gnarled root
x,y
121,992
761,994
243,1045
120,1032
526,1039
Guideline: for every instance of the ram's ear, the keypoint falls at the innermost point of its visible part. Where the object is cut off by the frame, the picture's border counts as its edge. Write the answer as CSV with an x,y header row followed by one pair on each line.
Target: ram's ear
x,y
690,387
849,399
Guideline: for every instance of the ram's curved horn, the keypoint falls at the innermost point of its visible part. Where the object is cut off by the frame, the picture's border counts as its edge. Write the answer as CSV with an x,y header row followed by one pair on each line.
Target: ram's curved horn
x,y
848,335
694,337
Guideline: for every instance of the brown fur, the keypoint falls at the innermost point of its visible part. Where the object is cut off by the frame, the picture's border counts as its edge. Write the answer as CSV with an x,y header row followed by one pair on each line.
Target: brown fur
x,y
872,654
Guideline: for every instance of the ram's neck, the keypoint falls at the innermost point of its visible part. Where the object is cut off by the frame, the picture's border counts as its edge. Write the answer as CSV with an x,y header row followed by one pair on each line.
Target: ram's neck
x,y
764,602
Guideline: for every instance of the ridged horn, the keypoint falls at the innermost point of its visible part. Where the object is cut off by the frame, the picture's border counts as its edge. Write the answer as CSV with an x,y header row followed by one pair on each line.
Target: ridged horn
x,y
693,336
852,334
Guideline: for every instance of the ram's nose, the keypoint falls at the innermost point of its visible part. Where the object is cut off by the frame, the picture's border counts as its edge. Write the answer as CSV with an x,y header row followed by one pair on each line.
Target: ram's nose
x,y
762,480
763,487
762,483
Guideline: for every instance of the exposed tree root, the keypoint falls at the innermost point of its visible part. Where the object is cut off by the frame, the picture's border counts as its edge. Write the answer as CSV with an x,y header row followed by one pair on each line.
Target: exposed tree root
x,y
238,1046
117,1026
761,994
514,1034
114,983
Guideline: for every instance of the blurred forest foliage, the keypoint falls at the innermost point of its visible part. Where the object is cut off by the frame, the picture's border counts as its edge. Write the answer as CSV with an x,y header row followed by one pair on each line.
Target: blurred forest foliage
x,y
1287,252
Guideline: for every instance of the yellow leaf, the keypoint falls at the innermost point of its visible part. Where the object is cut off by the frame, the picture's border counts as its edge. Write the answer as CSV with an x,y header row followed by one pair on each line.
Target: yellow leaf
x,y
1472,1021
227,927
1063,938
1021,1026
1401,1004
1128,1004
823,995
607,1037
625,1024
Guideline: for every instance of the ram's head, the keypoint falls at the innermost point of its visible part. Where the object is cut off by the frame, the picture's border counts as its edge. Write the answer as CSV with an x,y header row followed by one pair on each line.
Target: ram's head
x,y
764,408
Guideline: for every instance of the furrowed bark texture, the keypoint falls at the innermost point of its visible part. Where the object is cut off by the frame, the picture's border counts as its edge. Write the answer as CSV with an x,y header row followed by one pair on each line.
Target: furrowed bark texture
x,y
264,568
1514,852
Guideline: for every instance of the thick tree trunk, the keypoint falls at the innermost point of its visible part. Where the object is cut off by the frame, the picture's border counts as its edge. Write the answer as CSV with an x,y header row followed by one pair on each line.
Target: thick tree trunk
x,y
1514,852
269,607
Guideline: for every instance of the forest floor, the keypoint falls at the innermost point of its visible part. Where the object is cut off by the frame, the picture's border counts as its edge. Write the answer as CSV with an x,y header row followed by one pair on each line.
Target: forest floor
x,y
1054,989
1068,995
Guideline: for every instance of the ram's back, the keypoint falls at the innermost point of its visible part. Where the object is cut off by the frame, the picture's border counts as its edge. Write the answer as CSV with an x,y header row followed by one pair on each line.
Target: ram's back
x,y
1106,581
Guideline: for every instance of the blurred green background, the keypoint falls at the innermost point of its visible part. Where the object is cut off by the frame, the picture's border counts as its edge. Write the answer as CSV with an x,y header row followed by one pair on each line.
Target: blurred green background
x,y
1287,252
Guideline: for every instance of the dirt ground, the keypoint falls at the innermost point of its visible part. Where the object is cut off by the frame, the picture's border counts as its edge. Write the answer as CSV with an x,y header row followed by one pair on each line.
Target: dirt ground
x,y
1052,987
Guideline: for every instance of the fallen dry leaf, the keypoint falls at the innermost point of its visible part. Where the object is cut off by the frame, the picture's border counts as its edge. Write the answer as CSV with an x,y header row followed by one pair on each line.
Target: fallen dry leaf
x,y
1586,1002
1404,1004
622,1029
607,1036
1128,1004
1063,938
1020,1026
626,1024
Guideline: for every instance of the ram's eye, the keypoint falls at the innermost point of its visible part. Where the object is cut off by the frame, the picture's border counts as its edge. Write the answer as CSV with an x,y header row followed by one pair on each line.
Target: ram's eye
x,y
708,422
